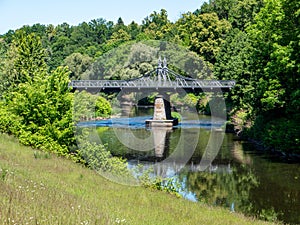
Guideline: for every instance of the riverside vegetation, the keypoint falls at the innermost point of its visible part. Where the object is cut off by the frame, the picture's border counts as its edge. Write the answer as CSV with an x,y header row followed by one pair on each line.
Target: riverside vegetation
x,y
40,188
256,44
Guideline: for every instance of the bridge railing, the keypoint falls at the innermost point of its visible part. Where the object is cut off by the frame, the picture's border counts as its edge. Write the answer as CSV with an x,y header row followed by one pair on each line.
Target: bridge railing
x,y
147,82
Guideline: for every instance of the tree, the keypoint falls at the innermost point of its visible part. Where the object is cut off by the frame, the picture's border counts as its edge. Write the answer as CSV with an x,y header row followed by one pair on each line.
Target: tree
x,y
88,106
24,58
203,33
275,35
4,79
119,25
238,12
100,30
243,13
157,26
233,63
38,107
134,29
220,7
118,37
78,64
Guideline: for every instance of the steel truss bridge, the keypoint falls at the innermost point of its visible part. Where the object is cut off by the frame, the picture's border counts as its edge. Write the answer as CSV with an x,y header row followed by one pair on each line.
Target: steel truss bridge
x,y
161,78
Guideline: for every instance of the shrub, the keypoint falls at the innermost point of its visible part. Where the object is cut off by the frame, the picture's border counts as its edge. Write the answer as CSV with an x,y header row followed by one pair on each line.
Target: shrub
x,y
98,158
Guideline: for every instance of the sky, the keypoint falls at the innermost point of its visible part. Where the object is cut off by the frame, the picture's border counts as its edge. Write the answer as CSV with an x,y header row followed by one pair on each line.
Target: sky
x,y
16,13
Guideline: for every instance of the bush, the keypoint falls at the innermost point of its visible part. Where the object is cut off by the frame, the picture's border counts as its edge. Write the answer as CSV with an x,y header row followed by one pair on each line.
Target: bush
x,y
98,158
176,115
169,185
87,106
280,134
102,107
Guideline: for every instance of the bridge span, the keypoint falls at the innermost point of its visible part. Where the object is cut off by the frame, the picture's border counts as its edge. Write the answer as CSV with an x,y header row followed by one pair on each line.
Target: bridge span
x,y
161,78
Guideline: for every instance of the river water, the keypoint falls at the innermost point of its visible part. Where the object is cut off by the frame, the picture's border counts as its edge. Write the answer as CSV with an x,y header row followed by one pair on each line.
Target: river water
x,y
235,175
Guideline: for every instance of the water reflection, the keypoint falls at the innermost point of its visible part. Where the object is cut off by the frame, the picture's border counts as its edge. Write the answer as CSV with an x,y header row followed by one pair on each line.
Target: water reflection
x,y
161,136
239,178
223,185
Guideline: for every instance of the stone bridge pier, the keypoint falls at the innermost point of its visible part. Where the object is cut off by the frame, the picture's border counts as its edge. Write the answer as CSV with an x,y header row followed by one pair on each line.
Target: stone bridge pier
x,y
126,104
162,113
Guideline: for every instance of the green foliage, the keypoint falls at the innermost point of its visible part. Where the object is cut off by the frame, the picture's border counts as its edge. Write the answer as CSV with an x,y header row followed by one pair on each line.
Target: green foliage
x,y
191,99
132,60
264,61
37,109
275,61
3,174
281,134
100,159
78,64
176,115
88,106
102,107
268,215
119,37
9,123
239,13
203,33
44,111
215,107
168,185
233,63
188,101
157,26
24,58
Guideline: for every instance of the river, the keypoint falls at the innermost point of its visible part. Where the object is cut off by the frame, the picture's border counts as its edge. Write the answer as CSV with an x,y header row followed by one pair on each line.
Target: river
x,y
237,176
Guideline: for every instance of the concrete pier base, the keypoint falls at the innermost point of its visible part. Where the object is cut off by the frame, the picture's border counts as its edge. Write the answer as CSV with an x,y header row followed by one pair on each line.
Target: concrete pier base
x,y
162,113
162,123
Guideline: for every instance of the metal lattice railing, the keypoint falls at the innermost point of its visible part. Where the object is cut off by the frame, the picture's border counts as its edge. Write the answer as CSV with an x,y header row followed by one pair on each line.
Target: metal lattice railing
x,y
160,78
149,83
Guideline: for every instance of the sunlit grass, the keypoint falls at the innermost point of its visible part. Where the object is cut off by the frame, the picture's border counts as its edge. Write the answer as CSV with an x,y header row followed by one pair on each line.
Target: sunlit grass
x,y
39,188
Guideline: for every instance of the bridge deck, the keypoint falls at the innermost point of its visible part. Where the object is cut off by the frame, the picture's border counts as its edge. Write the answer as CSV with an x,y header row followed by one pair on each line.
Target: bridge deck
x,y
144,83
160,78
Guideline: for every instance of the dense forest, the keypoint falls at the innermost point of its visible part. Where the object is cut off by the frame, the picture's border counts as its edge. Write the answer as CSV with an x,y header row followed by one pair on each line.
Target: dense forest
x,y
254,42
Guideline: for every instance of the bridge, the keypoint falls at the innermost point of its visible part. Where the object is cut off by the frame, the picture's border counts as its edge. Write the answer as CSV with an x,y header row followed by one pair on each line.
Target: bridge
x,y
161,79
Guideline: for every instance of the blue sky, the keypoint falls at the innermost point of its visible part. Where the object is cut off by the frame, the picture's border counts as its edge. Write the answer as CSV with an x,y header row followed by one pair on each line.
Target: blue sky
x,y
16,13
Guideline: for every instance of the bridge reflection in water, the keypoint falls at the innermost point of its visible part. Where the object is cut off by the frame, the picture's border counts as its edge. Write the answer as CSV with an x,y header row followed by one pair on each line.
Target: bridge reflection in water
x,y
165,167
161,136
171,148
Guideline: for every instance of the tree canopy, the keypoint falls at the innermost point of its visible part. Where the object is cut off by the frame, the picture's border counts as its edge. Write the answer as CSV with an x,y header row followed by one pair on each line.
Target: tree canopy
x,y
254,42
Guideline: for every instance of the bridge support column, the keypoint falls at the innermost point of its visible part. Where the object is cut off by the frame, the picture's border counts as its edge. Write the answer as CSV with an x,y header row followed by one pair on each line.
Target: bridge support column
x,y
162,113
126,105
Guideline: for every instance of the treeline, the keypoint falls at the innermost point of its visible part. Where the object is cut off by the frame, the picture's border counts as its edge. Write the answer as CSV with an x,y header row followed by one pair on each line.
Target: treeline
x,y
254,42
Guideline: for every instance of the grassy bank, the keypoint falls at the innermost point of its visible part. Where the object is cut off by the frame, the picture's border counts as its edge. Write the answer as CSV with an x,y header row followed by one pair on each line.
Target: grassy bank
x,y
39,188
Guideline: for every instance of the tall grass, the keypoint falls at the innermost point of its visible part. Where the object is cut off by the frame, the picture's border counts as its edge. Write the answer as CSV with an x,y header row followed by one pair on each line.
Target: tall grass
x,y
44,189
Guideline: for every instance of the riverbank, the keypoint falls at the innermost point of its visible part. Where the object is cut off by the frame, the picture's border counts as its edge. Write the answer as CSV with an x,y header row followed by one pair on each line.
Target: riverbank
x,y
277,136
40,188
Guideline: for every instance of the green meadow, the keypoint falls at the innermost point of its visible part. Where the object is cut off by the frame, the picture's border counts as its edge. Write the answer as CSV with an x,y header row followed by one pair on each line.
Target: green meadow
x,y
40,188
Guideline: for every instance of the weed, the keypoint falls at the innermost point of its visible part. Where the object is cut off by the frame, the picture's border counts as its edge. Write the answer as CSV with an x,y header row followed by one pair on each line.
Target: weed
x,y
41,155
3,174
